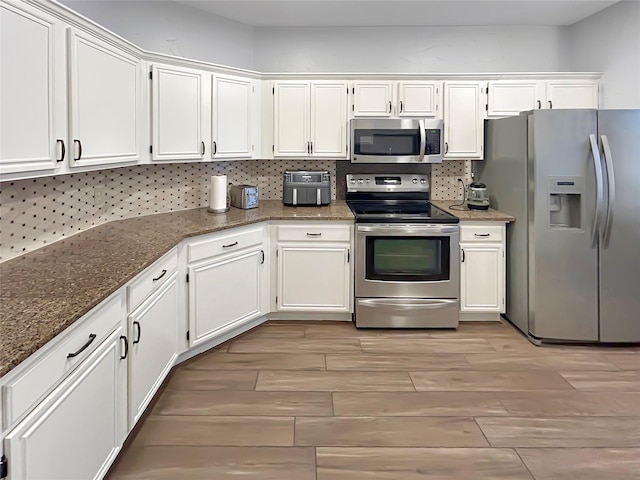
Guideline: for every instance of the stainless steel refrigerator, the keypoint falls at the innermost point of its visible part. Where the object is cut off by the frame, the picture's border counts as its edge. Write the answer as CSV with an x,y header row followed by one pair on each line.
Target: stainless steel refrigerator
x,y
571,178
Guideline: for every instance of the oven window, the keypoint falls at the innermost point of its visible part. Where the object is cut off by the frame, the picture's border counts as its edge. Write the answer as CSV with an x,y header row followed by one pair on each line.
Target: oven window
x,y
413,259
386,142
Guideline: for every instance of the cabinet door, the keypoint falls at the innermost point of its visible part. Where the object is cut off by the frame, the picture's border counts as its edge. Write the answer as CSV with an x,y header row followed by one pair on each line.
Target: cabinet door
x,y
32,88
570,94
418,99
482,277
231,117
105,105
225,292
372,99
176,113
291,119
76,432
508,97
463,117
329,119
314,277
152,332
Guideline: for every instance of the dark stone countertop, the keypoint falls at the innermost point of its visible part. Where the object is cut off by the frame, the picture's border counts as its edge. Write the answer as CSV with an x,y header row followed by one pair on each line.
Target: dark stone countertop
x,y
47,290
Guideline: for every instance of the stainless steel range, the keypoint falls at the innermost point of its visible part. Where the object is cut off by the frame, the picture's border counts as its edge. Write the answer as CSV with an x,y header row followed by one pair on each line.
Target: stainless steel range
x,y
407,272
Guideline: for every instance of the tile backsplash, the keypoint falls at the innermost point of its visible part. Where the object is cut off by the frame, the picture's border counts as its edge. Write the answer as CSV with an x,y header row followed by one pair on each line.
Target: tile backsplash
x,y
38,211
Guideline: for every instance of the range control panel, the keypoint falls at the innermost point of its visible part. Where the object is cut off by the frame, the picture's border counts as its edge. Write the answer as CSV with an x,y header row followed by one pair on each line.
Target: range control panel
x,y
404,182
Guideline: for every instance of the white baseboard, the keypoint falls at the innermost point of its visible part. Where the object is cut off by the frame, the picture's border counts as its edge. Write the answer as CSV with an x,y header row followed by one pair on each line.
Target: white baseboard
x,y
479,317
336,316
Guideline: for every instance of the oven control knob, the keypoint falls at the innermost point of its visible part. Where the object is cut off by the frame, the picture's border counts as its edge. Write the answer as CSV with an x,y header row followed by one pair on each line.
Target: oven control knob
x,y
367,180
415,180
360,180
353,180
423,181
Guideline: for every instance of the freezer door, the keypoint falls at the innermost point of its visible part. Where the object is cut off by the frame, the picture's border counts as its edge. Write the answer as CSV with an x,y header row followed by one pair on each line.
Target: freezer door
x,y
619,134
563,256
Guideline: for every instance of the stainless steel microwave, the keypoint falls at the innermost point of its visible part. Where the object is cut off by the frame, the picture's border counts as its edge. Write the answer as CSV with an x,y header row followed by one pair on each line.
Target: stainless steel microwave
x,y
396,140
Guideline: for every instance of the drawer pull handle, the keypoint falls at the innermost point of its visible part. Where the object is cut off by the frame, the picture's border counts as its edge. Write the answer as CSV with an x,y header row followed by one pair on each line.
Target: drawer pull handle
x,y
164,272
314,234
126,347
136,325
462,254
92,337
230,245
481,234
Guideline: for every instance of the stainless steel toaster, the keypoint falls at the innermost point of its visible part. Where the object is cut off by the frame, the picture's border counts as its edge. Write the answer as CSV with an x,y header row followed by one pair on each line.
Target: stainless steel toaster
x,y
306,188
243,196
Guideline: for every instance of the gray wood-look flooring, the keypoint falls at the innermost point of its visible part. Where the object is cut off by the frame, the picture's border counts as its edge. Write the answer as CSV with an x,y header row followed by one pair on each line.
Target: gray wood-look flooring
x,y
324,401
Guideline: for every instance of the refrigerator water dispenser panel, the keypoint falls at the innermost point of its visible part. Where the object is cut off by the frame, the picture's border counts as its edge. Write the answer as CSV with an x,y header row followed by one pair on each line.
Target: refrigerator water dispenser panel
x,y
565,202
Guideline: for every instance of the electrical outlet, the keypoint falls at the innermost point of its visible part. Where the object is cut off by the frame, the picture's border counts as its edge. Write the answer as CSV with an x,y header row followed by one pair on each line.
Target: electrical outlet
x,y
100,196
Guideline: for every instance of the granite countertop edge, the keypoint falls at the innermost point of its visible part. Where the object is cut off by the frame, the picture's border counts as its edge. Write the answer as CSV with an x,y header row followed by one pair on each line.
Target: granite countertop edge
x,y
51,288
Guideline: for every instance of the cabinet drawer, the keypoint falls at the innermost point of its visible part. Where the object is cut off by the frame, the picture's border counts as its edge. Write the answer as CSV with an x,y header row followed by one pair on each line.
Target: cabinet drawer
x,y
51,364
149,280
478,233
320,233
224,243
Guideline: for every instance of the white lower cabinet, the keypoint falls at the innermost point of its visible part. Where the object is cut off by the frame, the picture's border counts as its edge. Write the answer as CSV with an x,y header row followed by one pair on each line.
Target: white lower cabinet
x,y
153,349
228,284
76,432
482,268
314,268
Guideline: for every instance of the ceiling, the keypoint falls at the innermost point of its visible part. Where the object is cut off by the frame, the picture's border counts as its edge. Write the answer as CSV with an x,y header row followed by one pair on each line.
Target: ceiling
x,y
405,13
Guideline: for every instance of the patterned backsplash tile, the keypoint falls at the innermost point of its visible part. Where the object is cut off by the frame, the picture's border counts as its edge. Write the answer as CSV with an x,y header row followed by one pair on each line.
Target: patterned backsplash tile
x,y
38,211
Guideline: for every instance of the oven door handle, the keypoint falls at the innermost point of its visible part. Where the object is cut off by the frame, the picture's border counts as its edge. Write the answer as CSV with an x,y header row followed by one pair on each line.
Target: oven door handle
x,y
410,230
408,303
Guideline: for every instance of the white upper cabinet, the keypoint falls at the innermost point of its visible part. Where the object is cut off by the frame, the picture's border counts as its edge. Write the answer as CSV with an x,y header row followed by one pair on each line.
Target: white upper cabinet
x,y
396,99
291,119
177,113
510,97
231,117
572,94
33,133
418,99
105,102
310,119
372,99
328,119
464,107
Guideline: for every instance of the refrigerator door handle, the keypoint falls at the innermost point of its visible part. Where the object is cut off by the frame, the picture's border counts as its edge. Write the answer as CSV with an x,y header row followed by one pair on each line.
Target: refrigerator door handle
x,y
611,189
597,165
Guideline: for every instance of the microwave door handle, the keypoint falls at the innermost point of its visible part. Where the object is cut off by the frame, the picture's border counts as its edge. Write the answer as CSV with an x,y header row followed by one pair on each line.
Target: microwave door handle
x,y
423,138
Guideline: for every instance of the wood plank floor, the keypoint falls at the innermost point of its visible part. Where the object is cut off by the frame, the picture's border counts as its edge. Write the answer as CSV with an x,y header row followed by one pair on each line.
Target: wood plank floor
x,y
324,401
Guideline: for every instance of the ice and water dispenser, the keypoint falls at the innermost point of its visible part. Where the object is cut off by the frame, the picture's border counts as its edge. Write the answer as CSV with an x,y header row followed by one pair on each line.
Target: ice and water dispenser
x,y
565,202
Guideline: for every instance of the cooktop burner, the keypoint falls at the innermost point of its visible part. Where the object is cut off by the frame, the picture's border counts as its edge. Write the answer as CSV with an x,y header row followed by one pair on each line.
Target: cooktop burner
x,y
393,199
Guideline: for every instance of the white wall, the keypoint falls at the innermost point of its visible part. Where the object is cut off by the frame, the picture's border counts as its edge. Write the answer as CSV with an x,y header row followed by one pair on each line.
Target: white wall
x,y
609,42
409,49
174,29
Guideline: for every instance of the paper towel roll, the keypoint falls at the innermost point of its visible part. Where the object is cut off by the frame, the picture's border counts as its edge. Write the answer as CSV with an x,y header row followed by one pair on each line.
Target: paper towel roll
x,y
218,194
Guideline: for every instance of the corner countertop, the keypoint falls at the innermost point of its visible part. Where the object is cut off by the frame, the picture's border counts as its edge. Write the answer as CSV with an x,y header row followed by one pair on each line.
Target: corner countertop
x,y
465,215
47,290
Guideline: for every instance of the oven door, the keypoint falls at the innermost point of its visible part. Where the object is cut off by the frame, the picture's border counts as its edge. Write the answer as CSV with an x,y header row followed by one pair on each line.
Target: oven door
x,y
407,261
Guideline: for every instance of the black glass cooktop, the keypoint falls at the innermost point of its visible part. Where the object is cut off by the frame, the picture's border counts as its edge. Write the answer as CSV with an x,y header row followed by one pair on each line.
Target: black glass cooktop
x,y
399,211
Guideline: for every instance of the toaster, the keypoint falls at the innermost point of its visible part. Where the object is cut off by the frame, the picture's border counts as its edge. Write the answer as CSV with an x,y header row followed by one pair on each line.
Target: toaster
x,y
243,196
306,188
